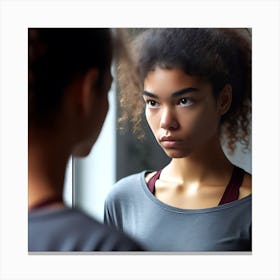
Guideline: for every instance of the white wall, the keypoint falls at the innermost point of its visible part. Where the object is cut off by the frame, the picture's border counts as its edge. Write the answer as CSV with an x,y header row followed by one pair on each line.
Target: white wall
x,y
241,158
67,193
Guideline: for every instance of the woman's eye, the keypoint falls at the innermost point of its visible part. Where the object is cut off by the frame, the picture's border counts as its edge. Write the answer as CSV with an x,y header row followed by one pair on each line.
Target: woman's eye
x,y
152,103
185,102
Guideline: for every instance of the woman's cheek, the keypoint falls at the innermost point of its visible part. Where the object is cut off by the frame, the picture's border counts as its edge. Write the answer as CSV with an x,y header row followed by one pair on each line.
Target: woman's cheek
x,y
153,120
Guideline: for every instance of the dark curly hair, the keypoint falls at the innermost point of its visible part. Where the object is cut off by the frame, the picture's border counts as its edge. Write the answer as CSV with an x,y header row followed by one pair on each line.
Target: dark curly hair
x,y
55,57
218,55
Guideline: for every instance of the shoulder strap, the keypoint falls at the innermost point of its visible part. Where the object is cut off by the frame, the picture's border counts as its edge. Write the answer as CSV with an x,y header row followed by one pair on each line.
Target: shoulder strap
x,y
152,181
232,190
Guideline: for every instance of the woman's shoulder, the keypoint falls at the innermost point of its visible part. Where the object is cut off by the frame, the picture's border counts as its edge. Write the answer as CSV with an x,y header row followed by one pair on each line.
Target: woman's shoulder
x,y
126,186
130,179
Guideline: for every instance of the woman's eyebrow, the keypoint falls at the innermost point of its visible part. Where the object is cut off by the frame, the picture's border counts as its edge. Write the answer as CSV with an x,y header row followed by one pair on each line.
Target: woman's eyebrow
x,y
184,91
174,94
147,93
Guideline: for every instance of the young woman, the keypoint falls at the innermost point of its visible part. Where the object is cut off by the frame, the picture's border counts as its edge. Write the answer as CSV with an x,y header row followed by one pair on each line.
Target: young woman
x,y
196,86
68,81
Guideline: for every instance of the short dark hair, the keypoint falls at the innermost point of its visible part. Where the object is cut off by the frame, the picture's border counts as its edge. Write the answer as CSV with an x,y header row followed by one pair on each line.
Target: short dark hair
x,y
55,57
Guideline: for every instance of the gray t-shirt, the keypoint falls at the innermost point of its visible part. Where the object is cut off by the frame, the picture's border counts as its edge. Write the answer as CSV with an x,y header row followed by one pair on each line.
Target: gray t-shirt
x,y
68,229
132,208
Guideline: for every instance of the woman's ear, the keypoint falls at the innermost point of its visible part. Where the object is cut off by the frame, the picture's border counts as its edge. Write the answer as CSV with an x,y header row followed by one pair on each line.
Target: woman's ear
x,y
88,88
224,99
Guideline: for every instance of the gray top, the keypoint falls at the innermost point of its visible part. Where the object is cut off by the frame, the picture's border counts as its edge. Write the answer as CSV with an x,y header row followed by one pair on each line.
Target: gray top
x,y
132,208
68,229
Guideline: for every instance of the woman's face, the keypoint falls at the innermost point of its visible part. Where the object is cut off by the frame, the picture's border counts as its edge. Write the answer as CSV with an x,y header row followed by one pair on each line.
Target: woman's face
x,y
181,111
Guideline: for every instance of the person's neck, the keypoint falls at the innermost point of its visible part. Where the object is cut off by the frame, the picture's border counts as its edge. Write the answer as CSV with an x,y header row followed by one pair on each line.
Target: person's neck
x,y
46,170
201,167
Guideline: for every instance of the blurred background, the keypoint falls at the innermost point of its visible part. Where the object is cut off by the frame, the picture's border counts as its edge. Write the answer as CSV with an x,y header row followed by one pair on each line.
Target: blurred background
x,y
116,155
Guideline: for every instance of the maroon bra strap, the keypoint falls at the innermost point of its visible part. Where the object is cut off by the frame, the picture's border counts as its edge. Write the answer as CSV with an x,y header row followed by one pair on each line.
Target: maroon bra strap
x,y
231,192
152,181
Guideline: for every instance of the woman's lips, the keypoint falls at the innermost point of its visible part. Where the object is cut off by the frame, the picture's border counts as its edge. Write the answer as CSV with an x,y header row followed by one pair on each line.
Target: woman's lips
x,y
170,142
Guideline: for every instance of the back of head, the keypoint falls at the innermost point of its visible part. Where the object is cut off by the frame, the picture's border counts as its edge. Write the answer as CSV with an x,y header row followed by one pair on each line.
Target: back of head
x,y
56,56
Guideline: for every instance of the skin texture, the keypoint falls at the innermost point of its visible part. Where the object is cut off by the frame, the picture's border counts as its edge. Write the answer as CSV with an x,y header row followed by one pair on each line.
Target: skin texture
x,y
184,118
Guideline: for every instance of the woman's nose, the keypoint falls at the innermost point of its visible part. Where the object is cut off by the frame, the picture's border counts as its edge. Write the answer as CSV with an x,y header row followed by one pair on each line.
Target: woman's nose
x,y
168,120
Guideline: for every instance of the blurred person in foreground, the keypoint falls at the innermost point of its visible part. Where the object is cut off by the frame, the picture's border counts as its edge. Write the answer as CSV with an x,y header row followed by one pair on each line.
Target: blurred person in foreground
x,y
68,81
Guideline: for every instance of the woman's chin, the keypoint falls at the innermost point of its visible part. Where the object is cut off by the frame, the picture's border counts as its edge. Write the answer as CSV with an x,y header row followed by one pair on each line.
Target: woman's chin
x,y
82,151
81,154
172,153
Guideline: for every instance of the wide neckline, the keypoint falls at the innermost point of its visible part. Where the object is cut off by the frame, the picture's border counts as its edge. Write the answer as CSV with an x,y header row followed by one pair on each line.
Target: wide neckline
x,y
171,208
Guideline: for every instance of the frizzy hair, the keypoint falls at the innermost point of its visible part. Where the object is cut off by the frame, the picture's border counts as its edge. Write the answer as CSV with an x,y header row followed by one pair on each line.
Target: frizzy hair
x,y
218,55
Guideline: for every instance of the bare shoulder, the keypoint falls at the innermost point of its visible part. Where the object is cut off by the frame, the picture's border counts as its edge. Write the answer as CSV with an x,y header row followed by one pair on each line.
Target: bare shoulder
x,y
246,187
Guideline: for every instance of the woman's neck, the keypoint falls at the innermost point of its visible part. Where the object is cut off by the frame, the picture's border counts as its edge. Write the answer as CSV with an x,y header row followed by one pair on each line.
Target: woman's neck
x,y
46,170
204,166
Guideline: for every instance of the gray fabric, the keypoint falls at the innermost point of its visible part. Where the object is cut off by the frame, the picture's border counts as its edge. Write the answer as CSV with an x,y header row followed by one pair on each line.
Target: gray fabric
x,y
132,208
70,230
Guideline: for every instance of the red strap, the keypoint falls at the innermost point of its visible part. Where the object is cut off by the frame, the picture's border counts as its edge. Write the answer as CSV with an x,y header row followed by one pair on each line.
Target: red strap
x,y
152,181
231,192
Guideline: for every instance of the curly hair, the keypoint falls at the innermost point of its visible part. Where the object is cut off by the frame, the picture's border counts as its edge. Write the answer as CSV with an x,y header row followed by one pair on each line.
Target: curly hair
x,y
55,57
218,55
